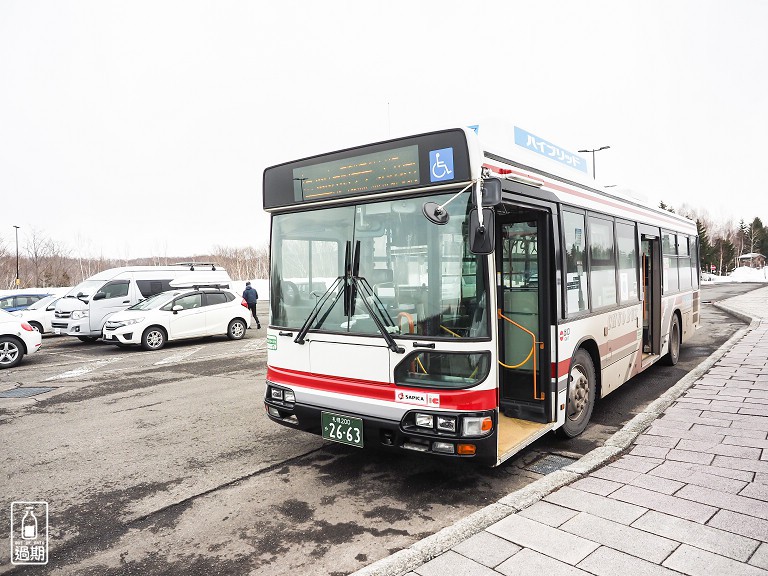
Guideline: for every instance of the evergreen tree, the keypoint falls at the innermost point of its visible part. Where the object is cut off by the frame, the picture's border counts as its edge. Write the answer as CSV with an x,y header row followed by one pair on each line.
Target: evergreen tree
x,y
725,253
760,234
706,250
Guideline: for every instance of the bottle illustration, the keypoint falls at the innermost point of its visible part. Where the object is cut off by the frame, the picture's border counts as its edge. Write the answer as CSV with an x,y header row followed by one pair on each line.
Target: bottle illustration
x,y
29,525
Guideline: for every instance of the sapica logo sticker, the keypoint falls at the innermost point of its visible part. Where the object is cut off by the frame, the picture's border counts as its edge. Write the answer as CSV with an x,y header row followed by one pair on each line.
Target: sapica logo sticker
x,y
418,398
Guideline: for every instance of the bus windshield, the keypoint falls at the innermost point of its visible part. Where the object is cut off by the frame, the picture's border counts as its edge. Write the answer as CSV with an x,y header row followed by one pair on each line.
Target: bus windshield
x,y
410,276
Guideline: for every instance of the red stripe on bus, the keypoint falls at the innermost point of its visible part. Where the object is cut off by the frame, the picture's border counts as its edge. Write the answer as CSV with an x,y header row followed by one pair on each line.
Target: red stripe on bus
x,y
618,343
561,368
449,399
560,188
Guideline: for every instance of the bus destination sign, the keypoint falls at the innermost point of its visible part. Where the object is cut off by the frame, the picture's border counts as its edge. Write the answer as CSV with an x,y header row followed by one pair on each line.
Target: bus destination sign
x,y
376,172
411,163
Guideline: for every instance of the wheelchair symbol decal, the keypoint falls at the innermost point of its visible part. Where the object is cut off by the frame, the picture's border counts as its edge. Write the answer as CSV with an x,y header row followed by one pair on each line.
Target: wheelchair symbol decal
x,y
441,165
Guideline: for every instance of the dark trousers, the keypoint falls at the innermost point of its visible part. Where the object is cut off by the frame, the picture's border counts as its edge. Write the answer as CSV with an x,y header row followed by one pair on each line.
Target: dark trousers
x,y
253,311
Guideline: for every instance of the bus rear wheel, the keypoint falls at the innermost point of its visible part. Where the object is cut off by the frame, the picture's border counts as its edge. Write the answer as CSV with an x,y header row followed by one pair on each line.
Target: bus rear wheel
x,y
581,394
673,355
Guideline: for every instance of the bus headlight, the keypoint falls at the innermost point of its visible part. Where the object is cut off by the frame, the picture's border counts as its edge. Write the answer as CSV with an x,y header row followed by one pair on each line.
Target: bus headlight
x,y
446,423
476,425
283,397
425,420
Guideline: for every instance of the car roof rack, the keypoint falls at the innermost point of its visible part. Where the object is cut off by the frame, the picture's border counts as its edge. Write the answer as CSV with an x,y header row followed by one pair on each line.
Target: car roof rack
x,y
195,286
211,265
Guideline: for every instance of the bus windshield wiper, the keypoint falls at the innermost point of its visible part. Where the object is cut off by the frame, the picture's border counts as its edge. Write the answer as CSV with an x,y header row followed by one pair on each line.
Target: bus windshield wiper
x,y
362,287
319,306
359,285
353,286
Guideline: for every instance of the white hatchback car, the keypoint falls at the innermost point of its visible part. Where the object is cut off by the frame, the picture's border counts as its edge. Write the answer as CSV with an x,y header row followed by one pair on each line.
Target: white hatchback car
x,y
40,314
16,339
179,314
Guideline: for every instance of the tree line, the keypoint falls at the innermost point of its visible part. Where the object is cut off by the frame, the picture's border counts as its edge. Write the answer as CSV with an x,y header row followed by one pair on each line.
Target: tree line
x,y
45,262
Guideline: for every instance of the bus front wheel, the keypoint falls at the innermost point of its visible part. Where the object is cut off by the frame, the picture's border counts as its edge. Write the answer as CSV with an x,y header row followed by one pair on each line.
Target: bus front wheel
x,y
581,394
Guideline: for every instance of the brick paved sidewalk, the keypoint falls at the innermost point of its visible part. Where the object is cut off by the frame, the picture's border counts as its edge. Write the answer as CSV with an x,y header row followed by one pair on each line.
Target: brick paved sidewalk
x,y
690,496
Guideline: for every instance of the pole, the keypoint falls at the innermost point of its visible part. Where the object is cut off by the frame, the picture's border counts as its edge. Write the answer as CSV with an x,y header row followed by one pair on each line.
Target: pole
x,y
18,281
594,176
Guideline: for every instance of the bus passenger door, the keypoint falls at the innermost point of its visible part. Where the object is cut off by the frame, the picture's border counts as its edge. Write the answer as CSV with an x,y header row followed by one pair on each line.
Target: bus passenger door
x,y
651,279
523,257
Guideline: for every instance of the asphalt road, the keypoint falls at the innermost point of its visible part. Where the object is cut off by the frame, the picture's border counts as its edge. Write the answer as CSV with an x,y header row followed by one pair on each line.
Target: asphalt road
x,y
164,463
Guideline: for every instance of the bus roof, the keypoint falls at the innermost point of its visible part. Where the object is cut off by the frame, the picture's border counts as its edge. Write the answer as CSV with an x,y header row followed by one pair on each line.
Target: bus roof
x,y
514,153
402,165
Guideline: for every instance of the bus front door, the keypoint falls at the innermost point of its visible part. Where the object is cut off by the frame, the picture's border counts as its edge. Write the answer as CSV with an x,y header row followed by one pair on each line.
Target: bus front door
x,y
524,348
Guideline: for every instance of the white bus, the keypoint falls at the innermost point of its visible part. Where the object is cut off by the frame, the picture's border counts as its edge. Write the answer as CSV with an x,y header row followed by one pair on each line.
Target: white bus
x,y
402,316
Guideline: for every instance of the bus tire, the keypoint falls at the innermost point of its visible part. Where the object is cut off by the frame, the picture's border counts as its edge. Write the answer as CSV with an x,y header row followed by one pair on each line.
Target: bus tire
x,y
582,385
673,355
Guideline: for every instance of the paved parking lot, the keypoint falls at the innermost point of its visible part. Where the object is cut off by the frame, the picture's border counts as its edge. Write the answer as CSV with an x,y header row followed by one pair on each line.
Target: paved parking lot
x,y
163,462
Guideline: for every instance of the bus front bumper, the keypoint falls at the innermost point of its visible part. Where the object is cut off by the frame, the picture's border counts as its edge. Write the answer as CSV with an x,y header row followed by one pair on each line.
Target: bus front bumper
x,y
391,434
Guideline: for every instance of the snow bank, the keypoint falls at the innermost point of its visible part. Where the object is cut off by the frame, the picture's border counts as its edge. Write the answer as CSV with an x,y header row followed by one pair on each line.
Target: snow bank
x,y
741,274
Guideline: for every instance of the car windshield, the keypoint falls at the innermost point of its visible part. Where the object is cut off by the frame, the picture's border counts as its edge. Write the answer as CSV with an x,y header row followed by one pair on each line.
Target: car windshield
x,y
42,303
85,289
381,267
153,301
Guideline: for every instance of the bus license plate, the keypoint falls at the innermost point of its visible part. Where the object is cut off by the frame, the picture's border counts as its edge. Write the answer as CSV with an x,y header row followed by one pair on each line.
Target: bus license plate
x,y
344,429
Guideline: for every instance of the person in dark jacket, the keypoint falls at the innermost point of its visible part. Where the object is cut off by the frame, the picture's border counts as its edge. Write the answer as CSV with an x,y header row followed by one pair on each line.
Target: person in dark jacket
x,y
252,297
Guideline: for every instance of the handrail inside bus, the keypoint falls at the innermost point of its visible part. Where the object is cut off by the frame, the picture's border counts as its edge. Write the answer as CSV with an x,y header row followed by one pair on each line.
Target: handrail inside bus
x,y
531,353
451,332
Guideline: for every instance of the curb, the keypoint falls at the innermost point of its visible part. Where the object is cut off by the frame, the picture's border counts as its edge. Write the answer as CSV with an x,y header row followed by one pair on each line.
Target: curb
x,y
432,546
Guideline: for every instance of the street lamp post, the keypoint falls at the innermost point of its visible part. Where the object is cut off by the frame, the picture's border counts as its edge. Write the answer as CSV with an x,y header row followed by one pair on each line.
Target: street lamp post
x,y
593,157
18,281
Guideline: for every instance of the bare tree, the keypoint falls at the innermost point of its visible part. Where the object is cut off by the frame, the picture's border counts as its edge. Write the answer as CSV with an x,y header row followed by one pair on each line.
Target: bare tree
x,y
38,248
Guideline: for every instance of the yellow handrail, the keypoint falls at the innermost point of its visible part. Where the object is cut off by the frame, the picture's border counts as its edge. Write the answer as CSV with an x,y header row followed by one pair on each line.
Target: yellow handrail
x,y
531,353
450,331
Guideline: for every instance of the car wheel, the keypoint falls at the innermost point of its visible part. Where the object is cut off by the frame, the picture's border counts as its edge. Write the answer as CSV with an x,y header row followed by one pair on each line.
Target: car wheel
x,y
37,326
87,338
11,352
236,329
673,355
154,338
581,394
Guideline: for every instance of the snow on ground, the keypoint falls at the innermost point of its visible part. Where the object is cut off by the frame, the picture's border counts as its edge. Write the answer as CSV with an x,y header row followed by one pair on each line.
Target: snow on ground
x,y
741,274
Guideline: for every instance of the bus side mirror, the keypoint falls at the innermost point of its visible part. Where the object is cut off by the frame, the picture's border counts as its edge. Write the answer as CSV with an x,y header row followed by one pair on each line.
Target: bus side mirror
x,y
482,239
99,296
491,193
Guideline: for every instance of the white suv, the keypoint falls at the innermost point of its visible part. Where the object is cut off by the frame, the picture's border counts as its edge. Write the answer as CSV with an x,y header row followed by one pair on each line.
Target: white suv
x,y
179,314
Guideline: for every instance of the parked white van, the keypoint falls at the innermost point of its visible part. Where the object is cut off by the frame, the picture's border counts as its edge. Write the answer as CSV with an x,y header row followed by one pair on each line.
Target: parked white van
x,y
85,309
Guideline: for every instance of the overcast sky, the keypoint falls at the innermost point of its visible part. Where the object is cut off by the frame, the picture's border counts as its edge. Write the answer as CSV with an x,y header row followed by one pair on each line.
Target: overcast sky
x,y
135,128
